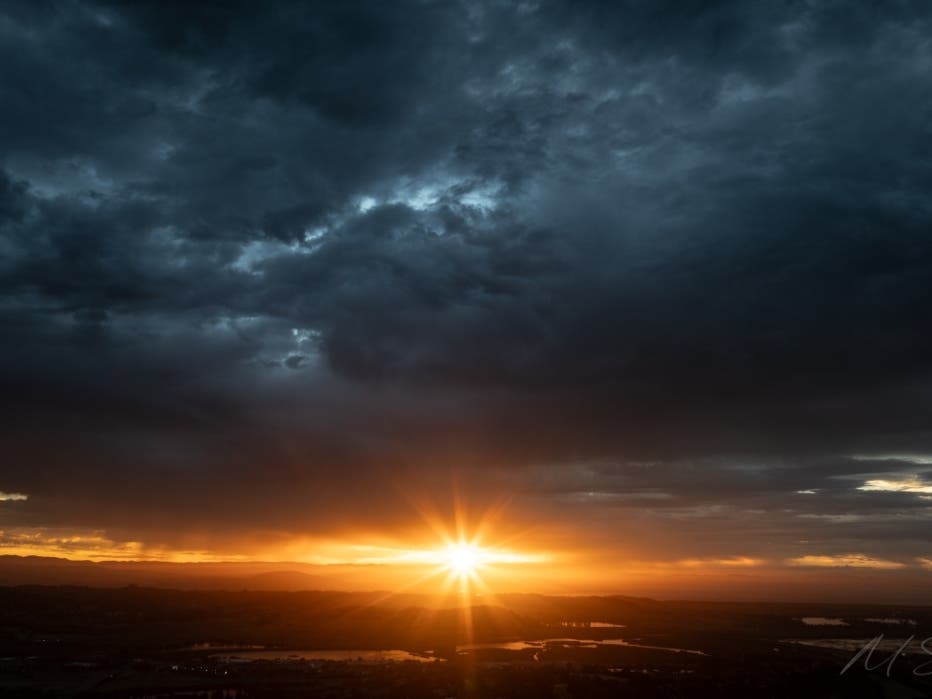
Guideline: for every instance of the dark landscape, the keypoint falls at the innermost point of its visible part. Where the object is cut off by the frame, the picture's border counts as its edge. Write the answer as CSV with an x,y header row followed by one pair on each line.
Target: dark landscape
x,y
140,642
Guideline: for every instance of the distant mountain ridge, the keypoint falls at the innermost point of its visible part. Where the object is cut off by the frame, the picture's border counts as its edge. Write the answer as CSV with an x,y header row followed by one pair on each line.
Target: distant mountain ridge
x,y
39,570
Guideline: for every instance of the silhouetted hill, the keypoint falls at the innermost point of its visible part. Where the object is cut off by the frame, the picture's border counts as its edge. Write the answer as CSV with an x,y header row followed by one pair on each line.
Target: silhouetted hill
x,y
37,570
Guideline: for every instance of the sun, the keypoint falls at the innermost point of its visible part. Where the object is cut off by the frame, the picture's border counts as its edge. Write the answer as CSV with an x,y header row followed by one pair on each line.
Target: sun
x,y
467,557
463,559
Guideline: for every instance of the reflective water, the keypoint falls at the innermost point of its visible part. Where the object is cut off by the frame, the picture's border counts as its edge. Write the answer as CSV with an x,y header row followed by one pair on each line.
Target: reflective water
x,y
891,620
546,643
365,656
592,625
215,645
823,621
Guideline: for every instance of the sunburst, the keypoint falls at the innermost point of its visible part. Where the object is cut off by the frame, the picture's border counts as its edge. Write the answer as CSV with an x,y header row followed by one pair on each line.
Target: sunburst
x,y
463,560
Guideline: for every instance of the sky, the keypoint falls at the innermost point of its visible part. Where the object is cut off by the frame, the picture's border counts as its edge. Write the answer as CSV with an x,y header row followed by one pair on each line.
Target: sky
x,y
643,286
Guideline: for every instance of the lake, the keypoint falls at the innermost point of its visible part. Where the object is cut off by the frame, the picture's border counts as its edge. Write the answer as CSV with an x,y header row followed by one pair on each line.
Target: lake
x,y
546,643
358,655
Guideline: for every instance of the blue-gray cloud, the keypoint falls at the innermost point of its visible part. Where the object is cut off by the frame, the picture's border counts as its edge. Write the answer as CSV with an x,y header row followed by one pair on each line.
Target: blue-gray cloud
x,y
312,243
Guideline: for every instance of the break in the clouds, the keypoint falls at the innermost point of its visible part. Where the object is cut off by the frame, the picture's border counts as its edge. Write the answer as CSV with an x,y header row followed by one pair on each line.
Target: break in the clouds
x,y
635,264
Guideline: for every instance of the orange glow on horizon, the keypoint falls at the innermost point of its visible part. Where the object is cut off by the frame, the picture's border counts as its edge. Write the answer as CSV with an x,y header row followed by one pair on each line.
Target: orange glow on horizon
x,y
456,552
455,569
461,554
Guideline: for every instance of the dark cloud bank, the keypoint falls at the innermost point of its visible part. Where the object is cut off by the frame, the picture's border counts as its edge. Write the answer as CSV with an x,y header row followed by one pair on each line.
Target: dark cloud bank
x,y
629,262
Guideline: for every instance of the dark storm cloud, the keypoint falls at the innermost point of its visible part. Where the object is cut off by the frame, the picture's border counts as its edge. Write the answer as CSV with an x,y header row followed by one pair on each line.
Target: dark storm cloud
x,y
263,252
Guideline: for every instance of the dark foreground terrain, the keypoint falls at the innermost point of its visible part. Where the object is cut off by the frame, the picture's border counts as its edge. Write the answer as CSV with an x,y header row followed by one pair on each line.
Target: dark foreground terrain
x,y
137,642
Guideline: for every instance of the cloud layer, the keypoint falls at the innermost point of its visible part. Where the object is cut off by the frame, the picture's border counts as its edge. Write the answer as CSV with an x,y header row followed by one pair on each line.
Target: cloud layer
x,y
631,264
